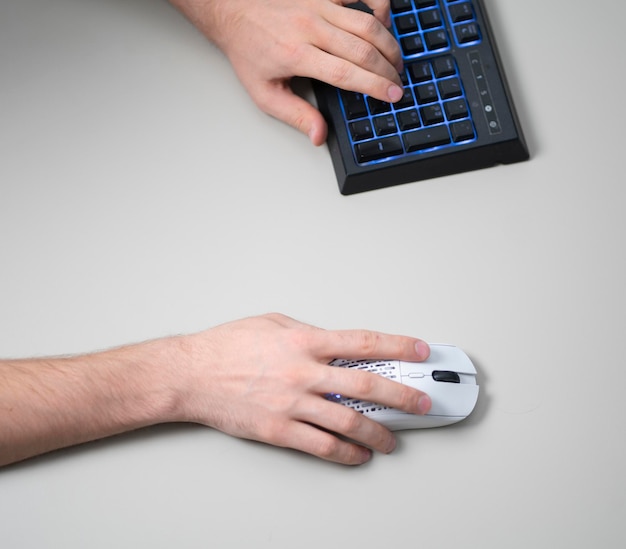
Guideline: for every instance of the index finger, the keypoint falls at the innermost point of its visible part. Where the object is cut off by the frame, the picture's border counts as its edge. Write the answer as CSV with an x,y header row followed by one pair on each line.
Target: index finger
x,y
372,387
380,9
359,344
369,29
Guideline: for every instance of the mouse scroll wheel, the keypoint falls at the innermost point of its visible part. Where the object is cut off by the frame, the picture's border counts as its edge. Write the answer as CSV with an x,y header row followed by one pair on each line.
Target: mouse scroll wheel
x,y
446,376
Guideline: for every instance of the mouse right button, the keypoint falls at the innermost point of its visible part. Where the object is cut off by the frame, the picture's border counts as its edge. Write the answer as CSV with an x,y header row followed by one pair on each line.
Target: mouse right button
x,y
459,404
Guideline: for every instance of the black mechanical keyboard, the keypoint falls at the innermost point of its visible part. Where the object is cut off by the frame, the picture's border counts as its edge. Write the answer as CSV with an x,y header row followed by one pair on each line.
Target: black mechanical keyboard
x,y
456,114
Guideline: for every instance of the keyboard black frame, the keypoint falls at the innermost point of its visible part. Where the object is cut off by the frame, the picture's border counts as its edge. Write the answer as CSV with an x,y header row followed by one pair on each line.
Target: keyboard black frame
x,y
488,149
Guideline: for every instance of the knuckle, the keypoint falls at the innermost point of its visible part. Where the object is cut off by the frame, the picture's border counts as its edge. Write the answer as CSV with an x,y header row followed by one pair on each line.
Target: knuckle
x,y
365,54
278,318
272,432
369,25
293,53
301,20
262,97
407,398
364,384
299,121
368,342
328,447
350,422
301,338
340,74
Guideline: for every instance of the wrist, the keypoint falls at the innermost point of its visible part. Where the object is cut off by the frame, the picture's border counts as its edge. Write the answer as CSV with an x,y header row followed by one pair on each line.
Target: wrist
x,y
204,15
162,380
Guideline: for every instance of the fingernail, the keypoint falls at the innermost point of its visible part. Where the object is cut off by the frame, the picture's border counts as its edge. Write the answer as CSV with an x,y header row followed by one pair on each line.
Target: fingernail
x,y
422,349
366,455
424,404
391,446
312,135
395,93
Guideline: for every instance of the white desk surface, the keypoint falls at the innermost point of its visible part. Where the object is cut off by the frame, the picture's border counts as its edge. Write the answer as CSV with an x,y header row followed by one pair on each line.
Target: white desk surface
x,y
143,194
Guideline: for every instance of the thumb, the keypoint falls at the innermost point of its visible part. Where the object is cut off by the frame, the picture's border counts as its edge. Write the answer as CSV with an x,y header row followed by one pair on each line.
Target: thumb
x,y
277,99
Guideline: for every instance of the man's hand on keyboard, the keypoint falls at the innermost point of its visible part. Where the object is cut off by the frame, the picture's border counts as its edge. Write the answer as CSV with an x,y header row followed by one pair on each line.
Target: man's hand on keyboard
x,y
270,41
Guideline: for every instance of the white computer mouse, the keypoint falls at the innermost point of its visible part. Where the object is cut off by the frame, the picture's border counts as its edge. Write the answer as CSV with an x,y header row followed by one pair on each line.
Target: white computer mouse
x,y
448,376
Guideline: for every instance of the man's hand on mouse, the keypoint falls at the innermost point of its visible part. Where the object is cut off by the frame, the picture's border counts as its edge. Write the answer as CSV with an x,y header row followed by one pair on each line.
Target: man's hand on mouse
x,y
270,41
264,378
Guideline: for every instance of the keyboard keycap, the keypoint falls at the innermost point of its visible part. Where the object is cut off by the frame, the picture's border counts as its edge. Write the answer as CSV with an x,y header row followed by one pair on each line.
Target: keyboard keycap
x,y
461,11
406,24
407,100
354,105
455,109
409,120
378,148
385,125
444,66
361,129
420,72
462,131
432,114
412,44
436,40
398,6
467,33
449,88
377,106
426,139
426,93
430,19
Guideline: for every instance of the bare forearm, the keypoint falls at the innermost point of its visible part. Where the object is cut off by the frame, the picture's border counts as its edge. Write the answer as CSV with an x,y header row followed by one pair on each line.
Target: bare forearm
x,y
47,404
262,378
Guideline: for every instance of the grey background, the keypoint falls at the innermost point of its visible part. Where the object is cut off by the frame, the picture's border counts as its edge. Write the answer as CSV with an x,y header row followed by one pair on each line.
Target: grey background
x,y
143,194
